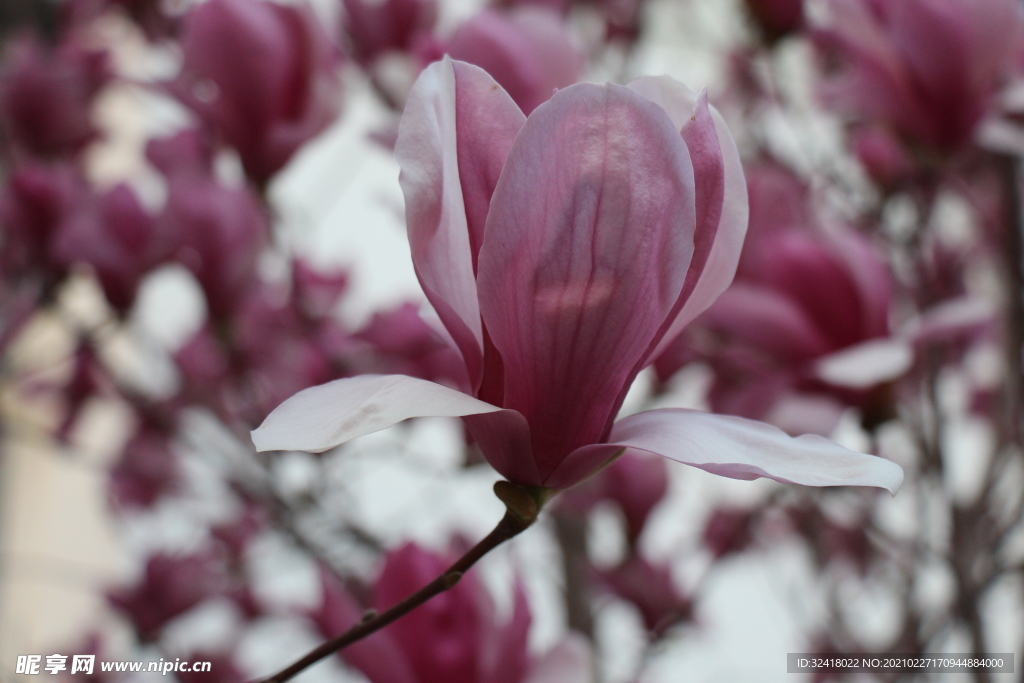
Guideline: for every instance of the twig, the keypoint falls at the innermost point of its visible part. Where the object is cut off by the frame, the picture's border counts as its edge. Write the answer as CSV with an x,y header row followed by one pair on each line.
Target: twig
x,y
522,507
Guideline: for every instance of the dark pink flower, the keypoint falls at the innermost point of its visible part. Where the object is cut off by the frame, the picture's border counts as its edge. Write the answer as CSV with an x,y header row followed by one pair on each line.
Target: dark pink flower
x,y
34,205
147,469
527,50
46,96
728,530
220,230
927,68
808,312
652,589
170,586
402,342
263,75
316,293
456,637
562,252
121,242
375,28
635,483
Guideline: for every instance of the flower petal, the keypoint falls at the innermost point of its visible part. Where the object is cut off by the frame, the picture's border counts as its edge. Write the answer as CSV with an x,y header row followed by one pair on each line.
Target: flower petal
x,y
744,449
584,255
456,130
325,416
722,206
528,50
866,364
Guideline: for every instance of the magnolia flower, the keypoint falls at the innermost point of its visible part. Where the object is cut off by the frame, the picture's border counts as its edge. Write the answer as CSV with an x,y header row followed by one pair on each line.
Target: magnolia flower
x,y
929,69
528,51
805,321
561,252
261,74
46,96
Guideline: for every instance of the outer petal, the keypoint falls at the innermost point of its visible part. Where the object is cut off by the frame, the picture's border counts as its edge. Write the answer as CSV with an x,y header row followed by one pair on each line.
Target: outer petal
x,y
744,449
456,130
323,417
719,237
584,255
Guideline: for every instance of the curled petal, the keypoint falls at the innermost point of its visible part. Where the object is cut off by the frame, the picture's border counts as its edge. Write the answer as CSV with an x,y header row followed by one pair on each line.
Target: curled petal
x,y
744,449
325,416
457,128
722,206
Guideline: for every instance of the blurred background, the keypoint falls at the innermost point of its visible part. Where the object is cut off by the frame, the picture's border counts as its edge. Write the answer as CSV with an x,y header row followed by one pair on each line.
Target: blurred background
x,y
200,216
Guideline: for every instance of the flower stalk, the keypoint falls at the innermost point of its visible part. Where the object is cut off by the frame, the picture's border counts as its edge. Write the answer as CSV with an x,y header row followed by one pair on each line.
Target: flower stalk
x,y
522,505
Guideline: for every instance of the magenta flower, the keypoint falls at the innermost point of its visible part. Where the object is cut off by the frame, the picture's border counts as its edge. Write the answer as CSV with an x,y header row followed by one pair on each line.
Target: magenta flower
x,y
263,75
561,252
527,50
376,28
46,96
636,484
651,588
927,68
456,637
808,315
114,235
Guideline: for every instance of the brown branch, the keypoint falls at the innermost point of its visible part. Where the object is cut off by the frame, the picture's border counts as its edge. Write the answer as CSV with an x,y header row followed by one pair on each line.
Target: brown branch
x,y
522,506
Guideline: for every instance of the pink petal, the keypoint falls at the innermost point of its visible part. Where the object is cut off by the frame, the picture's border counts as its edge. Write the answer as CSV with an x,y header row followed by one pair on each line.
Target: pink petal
x,y
504,439
870,275
867,364
456,115
722,205
738,448
528,50
325,416
584,256
766,320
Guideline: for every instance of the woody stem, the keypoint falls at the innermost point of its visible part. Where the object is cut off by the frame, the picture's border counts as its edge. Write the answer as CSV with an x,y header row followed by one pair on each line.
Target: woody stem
x,y
521,511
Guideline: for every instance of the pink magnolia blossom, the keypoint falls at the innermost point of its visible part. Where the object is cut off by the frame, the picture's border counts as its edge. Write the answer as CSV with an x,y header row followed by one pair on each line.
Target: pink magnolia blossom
x,y
147,470
527,50
728,530
456,637
35,204
635,483
561,252
929,69
262,75
115,235
170,586
46,96
808,314
220,229
652,589
375,28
